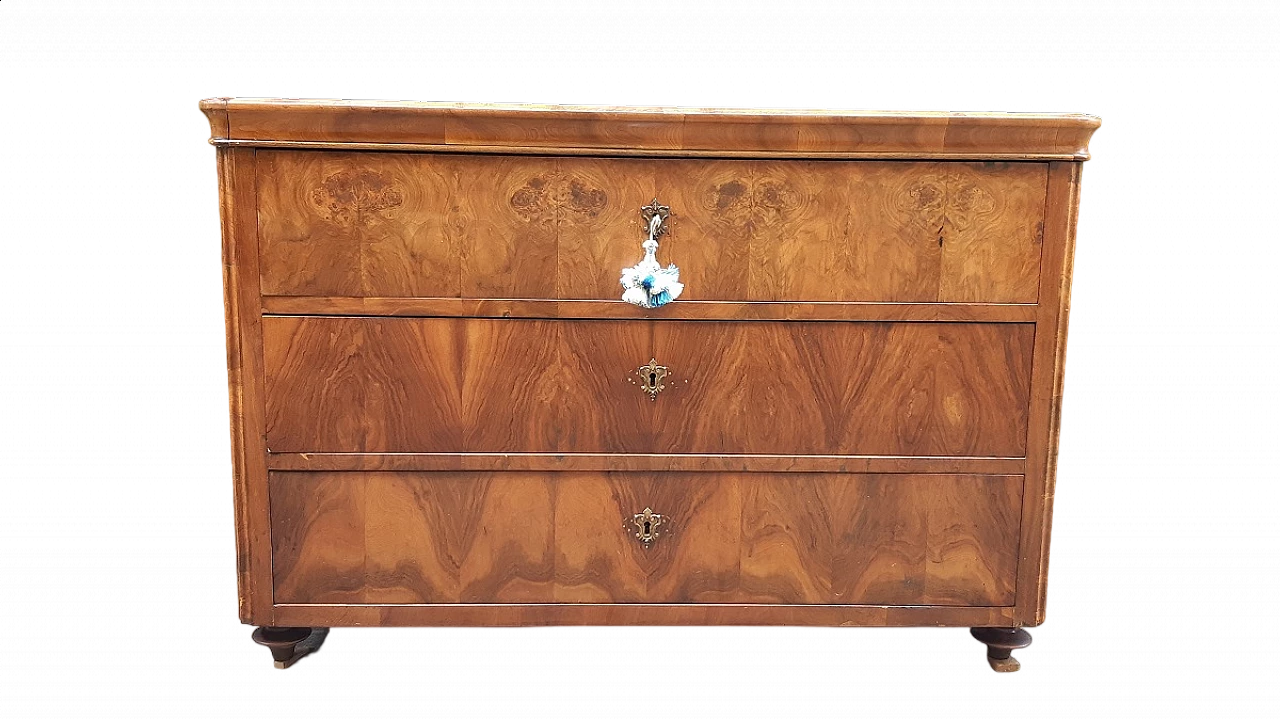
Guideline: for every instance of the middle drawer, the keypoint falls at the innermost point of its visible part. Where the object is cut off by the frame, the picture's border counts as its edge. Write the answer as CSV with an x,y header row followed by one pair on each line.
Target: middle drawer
x,y
340,384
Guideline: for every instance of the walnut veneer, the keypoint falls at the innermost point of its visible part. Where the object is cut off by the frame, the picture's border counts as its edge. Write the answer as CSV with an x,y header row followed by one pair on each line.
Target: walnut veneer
x,y
437,414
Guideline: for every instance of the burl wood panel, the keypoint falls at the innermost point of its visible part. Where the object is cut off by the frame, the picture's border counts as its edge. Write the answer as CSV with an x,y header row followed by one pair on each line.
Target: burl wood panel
x,y
333,226
479,385
855,231
429,538
493,227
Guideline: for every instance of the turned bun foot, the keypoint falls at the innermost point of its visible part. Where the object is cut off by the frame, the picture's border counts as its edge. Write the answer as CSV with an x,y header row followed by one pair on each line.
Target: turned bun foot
x,y
1001,641
279,641
289,644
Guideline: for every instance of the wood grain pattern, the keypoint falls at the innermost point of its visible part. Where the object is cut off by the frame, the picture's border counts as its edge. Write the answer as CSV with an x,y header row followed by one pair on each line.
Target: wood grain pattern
x,y
404,385
991,231
318,540
686,131
589,462
362,385
881,539
428,363
382,537
655,153
343,224
693,559
507,212
530,615
1046,384
682,310
215,111
598,223
550,385
846,388
866,231
237,190
520,537
445,385
476,227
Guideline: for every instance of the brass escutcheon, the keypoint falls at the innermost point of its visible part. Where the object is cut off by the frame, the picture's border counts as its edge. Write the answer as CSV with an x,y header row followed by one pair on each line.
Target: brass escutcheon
x,y
647,523
652,378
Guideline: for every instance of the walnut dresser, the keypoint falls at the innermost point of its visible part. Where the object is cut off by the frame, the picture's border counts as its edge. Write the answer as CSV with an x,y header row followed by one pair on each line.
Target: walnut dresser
x,y
530,365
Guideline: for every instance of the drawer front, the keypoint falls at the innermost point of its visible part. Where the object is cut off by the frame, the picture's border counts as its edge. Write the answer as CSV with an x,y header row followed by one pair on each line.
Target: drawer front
x,y
480,226
412,538
517,385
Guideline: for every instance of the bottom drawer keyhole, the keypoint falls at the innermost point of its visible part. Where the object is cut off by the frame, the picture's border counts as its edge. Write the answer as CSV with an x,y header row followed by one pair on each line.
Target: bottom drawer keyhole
x,y
646,524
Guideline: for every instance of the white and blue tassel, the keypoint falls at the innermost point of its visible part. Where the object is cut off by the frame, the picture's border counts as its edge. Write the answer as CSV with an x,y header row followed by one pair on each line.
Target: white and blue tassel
x,y
649,284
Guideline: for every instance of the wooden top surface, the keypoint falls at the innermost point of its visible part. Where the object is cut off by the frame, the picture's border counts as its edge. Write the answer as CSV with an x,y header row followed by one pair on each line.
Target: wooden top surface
x,y
552,129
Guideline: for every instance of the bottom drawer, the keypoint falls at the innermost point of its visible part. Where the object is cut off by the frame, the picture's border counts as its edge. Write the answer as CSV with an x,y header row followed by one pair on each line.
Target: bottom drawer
x,y
585,537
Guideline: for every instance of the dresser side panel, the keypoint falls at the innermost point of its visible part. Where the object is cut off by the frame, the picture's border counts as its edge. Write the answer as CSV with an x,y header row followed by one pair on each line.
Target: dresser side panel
x,y
238,206
1061,206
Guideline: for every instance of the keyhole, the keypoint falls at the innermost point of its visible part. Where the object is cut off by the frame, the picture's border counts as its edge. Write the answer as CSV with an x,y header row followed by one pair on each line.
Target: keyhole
x,y
648,528
653,379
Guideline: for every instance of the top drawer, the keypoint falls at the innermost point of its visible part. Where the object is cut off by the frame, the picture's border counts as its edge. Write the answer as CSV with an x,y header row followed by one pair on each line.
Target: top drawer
x,y
373,224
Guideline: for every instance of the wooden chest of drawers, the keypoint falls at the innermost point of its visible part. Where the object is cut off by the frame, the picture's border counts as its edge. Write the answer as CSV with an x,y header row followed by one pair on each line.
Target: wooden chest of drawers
x,y
444,413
